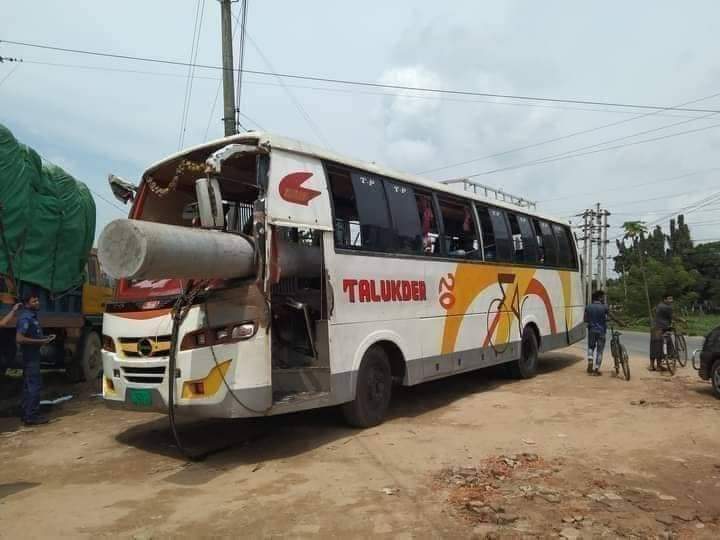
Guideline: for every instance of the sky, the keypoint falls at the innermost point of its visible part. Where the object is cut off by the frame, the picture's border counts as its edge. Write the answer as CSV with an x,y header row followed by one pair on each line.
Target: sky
x,y
95,115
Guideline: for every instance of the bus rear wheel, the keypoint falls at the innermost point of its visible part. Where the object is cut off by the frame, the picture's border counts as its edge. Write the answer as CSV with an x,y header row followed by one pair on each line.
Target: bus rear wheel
x,y
526,366
373,392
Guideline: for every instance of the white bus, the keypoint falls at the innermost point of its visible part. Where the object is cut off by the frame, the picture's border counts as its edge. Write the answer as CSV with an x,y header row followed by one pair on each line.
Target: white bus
x,y
364,278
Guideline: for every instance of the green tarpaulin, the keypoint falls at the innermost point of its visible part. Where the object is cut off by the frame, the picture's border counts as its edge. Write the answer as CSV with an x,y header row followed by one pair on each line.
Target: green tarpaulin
x,y
47,218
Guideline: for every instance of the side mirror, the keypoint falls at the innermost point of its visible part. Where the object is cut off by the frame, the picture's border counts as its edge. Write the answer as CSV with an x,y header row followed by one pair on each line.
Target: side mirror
x,y
210,205
122,190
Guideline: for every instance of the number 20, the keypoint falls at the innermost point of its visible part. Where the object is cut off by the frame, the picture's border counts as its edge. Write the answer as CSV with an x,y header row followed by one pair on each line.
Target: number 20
x,y
447,298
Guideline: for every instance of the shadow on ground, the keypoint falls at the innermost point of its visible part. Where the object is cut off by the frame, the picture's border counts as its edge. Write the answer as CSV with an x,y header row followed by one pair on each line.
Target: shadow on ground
x,y
231,443
55,385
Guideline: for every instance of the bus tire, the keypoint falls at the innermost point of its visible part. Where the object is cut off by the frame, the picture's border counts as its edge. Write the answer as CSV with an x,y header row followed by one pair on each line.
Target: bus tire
x,y
526,366
373,391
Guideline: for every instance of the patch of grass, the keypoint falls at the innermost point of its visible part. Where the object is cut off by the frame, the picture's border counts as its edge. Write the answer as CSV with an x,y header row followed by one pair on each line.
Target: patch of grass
x,y
697,325
700,325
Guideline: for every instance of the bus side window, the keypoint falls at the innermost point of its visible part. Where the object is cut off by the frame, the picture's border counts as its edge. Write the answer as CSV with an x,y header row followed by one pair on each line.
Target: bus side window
x,y
428,223
522,228
362,220
550,243
517,239
459,234
539,240
488,236
503,238
405,217
566,251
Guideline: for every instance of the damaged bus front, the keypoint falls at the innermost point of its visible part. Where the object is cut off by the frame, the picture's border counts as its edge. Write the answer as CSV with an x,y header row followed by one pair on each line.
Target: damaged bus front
x,y
204,275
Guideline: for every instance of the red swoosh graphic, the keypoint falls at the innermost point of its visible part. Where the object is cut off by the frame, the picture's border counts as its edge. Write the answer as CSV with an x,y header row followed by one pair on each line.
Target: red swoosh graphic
x,y
291,188
537,288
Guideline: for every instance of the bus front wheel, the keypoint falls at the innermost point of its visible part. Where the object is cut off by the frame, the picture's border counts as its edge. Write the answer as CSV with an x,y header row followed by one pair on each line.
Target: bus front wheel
x,y
372,395
526,366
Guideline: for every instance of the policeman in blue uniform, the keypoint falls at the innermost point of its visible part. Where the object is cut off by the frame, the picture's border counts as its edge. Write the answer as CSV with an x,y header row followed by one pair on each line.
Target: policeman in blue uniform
x,y
30,338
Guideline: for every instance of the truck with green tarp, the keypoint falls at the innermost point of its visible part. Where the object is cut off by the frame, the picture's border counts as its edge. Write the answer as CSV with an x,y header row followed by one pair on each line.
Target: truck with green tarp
x,y
47,229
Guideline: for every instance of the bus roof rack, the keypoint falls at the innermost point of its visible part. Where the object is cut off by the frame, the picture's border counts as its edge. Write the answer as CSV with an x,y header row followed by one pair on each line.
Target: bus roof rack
x,y
491,192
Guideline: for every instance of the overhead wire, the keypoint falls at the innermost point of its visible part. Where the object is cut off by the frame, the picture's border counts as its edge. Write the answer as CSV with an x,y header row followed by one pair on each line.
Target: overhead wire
x,y
197,29
241,60
626,186
352,91
350,82
10,74
596,151
574,134
313,126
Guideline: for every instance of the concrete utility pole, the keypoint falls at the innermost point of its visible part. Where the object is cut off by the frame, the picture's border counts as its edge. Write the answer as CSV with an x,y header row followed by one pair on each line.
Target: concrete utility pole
x,y
595,227
604,248
228,68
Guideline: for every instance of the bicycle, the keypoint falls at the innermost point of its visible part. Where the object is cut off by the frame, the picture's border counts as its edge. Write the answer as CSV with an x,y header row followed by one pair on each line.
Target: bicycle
x,y
670,355
619,354
680,346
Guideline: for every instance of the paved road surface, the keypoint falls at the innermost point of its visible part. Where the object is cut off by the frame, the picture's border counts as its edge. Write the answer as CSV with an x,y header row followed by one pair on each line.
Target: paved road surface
x,y
638,343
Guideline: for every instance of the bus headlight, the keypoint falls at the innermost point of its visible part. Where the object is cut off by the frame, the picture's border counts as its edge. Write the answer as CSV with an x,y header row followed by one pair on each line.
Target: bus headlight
x,y
219,335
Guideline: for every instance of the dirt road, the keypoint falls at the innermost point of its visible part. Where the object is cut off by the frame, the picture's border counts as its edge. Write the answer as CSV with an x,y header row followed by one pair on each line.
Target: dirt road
x,y
563,453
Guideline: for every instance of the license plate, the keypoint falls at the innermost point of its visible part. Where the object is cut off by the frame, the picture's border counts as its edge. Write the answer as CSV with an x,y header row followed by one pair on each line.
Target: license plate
x,y
140,397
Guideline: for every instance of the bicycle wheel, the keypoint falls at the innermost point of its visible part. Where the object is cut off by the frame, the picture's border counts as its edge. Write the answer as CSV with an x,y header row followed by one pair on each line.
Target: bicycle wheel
x,y
681,349
625,361
671,363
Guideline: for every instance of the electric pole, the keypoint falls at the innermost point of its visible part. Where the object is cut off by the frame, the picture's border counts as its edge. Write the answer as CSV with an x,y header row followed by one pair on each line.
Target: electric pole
x,y
595,227
228,68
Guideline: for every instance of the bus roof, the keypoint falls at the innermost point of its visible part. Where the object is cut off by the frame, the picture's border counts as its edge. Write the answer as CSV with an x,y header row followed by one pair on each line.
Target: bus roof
x,y
269,140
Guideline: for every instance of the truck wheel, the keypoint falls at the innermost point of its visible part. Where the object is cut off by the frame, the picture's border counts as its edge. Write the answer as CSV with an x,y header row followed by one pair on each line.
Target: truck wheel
x,y
715,378
374,388
526,366
89,359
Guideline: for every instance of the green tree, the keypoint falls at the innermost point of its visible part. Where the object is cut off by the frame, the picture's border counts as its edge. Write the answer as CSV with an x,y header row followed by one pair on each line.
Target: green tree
x,y
635,231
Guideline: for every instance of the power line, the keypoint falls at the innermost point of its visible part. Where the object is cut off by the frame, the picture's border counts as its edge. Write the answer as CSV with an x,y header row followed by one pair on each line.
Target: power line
x,y
6,77
563,157
195,45
633,186
697,205
573,134
315,128
333,90
359,83
241,58
253,121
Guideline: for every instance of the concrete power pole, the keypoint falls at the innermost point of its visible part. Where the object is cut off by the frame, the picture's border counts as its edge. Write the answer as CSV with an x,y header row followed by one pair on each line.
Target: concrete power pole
x,y
595,228
598,240
228,68
604,248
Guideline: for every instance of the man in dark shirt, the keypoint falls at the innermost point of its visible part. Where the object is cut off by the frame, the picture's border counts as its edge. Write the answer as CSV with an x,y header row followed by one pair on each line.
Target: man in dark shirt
x,y
30,337
596,317
663,322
